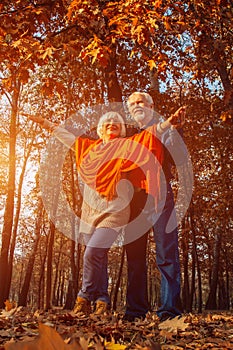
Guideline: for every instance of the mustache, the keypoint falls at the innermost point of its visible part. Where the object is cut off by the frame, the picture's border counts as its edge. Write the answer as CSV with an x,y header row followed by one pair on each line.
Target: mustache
x,y
138,109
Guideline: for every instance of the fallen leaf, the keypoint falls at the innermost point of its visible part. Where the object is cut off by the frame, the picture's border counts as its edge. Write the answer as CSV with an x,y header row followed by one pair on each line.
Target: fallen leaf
x,y
9,305
166,334
48,339
174,324
114,346
11,312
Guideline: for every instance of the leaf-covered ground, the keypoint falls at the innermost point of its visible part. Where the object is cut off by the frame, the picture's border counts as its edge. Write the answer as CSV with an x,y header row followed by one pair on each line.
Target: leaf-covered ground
x,y
22,329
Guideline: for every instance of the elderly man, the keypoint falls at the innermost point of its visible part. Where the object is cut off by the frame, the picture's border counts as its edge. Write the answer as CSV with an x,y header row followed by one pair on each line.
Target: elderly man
x,y
141,108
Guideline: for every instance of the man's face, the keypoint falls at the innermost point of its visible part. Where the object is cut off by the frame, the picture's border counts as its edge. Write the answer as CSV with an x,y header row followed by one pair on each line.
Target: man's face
x,y
140,109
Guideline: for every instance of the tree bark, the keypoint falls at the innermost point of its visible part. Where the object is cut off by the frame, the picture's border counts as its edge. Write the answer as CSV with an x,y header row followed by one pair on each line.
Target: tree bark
x,y
50,267
16,218
113,86
184,245
114,304
27,279
211,303
41,283
73,282
196,259
9,206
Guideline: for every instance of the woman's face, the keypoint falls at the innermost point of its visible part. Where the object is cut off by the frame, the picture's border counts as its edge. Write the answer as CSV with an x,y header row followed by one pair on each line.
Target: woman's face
x,y
111,129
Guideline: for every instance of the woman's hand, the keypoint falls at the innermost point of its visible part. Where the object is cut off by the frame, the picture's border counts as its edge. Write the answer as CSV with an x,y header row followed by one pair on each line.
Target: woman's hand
x,y
35,118
43,122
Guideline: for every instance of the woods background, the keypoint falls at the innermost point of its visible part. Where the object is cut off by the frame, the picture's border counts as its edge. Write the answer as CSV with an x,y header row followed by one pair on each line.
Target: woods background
x,y
57,57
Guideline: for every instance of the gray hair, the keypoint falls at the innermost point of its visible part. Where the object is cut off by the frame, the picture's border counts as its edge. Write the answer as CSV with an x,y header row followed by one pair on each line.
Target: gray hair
x,y
111,115
147,96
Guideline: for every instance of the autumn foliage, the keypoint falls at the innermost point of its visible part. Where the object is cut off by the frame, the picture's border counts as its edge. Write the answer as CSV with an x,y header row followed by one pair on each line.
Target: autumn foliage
x,y
59,58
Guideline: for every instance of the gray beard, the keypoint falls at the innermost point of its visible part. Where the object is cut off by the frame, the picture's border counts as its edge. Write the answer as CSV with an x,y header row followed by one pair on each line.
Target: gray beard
x,y
139,117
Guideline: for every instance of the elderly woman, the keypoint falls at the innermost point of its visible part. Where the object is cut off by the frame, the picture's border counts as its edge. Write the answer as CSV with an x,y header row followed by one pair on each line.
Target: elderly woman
x,y
109,167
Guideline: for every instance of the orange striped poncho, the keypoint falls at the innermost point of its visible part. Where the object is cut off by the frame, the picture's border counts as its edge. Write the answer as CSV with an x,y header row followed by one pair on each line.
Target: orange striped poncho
x,y
137,158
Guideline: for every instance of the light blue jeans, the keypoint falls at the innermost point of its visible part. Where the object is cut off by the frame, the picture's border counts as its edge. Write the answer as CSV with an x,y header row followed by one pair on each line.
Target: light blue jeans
x,y
167,257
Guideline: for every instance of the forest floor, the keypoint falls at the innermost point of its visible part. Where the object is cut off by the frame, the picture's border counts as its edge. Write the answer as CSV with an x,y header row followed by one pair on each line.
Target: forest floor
x,y
22,329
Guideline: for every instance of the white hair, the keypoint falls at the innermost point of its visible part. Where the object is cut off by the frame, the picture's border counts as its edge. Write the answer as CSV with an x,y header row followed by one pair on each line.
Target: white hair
x,y
147,96
111,115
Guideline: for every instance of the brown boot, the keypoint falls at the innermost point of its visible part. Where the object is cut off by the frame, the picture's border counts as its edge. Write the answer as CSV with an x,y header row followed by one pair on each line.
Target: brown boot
x,y
101,307
82,306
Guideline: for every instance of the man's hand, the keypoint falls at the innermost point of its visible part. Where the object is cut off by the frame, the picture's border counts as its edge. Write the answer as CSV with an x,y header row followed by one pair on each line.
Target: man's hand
x,y
177,119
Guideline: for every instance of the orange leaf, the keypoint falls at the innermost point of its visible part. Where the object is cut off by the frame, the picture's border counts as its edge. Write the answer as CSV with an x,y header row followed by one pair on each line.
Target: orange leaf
x,y
9,305
167,23
157,3
17,43
47,53
48,339
152,64
135,21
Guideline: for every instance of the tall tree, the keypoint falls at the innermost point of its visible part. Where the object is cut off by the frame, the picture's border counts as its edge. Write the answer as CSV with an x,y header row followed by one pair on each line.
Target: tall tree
x,y
29,269
96,51
9,206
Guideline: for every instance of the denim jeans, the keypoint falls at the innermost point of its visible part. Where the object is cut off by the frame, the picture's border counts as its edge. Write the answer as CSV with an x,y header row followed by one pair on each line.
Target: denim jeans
x,y
95,265
136,295
167,257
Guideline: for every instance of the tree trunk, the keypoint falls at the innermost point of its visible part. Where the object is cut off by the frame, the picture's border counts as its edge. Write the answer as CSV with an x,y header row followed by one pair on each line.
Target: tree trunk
x,y
9,206
227,84
196,258
70,296
222,294
26,284
74,243
114,304
184,245
41,284
62,286
227,280
75,264
51,174
151,296
192,289
113,86
56,284
50,267
16,218
212,298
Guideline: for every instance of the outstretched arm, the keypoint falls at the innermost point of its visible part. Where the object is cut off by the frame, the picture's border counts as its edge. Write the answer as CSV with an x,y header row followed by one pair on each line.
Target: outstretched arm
x,y
175,121
172,138
63,135
43,122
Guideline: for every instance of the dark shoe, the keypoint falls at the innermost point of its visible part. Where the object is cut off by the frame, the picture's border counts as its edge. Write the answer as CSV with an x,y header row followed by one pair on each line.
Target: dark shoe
x,y
82,306
132,318
166,317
